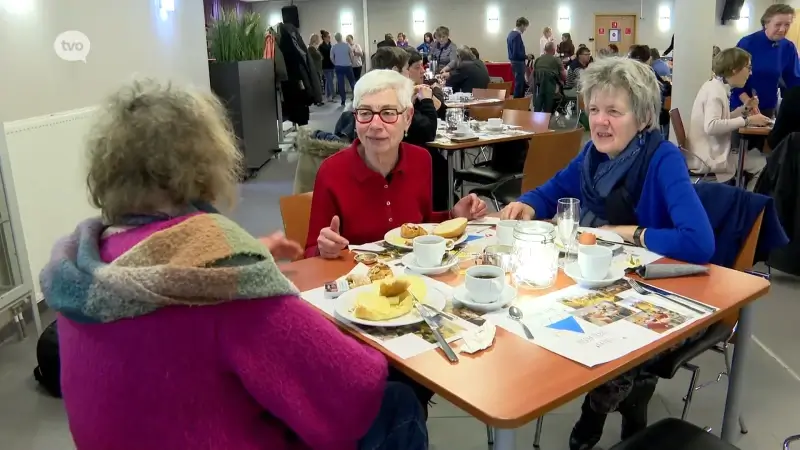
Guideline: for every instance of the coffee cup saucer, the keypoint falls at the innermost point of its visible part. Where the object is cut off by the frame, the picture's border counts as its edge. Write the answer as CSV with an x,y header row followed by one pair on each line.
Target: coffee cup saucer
x,y
614,274
410,261
461,295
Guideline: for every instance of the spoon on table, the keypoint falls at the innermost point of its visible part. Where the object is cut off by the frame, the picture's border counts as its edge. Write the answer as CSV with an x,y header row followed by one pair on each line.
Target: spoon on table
x,y
516,314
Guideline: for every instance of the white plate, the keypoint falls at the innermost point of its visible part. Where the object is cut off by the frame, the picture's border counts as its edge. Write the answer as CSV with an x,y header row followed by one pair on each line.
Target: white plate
x,y
574,271
608,236
410,262
461,295
344,304
393,237
500,128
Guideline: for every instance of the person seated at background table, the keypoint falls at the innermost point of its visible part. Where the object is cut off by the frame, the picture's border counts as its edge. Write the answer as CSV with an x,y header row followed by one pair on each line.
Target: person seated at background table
x,y
566,49
176,328
712,122
388,41
633,182
425,47
469,72
659,65
642,54
788,118
379,182
574,69
416,72
613,50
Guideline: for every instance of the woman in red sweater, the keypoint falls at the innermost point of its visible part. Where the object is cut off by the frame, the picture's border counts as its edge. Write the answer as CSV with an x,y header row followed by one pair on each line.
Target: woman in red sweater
x,y
379,182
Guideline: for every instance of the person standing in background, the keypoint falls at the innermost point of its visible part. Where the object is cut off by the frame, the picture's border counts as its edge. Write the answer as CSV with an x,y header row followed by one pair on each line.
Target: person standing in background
x,y
402,41
388,41
773,57
328,68
342,58
443,50
547,36
566,49
316,56
517,55
358,55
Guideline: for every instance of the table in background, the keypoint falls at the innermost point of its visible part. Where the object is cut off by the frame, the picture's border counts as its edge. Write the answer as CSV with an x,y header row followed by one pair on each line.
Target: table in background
x,y
745,133
515,381
476,102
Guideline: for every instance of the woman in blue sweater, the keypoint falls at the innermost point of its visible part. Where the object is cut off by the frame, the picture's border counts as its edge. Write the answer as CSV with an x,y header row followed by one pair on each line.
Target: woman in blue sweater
x,y
628,178
774,58
631,180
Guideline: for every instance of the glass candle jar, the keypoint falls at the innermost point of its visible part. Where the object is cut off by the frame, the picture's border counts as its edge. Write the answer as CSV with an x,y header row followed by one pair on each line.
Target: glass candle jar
x,y
535,254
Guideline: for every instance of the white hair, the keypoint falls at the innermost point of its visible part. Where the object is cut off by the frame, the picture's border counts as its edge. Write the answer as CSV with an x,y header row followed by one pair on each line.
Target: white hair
x,y
376,81
338,37
625,75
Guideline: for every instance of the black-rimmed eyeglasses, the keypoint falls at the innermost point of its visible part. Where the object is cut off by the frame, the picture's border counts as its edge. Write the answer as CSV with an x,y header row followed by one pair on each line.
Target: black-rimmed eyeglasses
x,y
387,115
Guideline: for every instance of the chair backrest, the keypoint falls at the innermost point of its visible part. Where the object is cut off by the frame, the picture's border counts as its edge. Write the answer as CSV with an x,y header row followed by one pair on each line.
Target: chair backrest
x,y
667,106
547,154
581,104
505,85
747,254
486,112
538,122
677,125
296,212
499,94
518,104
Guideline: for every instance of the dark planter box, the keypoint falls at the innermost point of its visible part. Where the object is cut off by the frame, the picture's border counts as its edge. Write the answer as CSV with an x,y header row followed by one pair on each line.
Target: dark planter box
x,y
248,90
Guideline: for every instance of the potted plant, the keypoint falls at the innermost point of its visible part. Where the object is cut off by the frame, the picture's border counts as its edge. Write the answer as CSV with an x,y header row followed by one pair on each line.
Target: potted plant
x,y
245,82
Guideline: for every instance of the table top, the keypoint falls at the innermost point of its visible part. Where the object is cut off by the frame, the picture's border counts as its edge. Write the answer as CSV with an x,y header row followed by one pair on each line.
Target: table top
x,y
755,131
444,143
476,102
516,381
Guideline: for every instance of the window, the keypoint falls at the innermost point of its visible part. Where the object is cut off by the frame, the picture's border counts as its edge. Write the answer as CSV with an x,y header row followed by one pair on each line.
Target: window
x,y
346,24
664,18
564,22
744,18
493,19
274,19
419,22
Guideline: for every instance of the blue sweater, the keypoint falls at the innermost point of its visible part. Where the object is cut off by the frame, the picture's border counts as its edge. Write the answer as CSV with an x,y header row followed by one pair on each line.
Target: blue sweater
x,y
516,48
771,61
677,225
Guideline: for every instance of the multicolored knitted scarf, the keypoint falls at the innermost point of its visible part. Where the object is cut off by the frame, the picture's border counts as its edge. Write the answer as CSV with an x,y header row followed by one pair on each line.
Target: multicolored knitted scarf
x,y
206,259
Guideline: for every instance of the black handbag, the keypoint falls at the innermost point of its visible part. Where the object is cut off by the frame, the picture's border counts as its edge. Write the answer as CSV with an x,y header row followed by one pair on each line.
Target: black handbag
x,y
48,372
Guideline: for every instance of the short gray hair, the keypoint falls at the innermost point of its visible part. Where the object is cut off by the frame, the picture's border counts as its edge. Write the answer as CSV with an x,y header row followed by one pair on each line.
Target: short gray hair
x,y
338,37
376,81
626,75
464,53
550,47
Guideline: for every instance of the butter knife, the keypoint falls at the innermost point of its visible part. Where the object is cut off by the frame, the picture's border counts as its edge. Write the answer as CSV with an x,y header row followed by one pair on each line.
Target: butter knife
x,y
435,328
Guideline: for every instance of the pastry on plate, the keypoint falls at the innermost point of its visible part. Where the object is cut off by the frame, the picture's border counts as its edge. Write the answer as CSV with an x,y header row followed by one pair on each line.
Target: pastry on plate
x,y
379,272
411,230
451,229
389,299
354,281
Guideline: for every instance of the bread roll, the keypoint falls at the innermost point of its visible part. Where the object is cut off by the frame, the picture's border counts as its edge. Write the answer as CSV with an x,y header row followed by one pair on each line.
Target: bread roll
x,y
451,229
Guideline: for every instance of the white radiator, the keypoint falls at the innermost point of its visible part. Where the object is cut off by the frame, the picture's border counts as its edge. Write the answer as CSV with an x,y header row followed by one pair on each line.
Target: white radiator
x,y
48,165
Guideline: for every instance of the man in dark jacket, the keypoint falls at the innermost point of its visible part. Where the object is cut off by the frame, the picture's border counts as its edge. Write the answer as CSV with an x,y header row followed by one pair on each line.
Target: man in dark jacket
x,y
388,41
469,73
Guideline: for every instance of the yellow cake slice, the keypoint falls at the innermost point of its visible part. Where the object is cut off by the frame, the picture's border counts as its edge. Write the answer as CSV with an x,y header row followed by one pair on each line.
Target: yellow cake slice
x,y
371,305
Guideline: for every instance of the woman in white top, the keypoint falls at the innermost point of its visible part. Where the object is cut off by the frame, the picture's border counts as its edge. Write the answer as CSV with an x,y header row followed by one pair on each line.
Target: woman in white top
x,y
712,121
547,36
357,56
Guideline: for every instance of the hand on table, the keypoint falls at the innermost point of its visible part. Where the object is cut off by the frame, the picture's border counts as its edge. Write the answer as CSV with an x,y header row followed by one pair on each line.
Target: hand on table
x,y
282,248
470,207
330,242
517,211
757,120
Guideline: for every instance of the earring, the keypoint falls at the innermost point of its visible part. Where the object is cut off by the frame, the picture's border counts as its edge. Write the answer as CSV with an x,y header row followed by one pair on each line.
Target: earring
x,y
405,134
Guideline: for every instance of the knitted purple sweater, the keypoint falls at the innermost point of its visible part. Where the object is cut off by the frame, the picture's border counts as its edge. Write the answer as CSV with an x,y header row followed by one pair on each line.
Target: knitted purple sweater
x,y
261,374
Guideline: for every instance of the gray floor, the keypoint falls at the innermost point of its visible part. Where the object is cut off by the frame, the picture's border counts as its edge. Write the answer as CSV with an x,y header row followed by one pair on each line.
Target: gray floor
x,y
31,420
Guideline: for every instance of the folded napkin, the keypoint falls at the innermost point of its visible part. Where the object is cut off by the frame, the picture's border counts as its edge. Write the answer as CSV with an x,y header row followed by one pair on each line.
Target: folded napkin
x,y
490,221
656,271
371,247
478,339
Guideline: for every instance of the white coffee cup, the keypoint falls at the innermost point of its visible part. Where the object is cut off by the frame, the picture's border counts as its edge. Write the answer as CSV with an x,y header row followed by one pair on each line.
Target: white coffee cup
x,y
463,128
429,250
505,232
594,261
494,122
485,284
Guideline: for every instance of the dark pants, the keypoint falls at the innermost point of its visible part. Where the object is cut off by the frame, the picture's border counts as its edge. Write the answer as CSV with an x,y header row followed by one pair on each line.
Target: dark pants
x,y
328,74
357,72
400,424
423,394
441,190
343,72
518,69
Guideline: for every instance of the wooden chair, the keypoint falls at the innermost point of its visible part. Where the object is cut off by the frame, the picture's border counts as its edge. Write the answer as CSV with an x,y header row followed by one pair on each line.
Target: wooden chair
x,y
499,94
518,104
683,143
505,85
538,122
667,106
486,112
296,212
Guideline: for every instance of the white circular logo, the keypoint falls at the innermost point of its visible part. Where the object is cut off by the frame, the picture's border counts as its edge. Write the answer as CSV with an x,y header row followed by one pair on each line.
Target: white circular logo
x,y
72,46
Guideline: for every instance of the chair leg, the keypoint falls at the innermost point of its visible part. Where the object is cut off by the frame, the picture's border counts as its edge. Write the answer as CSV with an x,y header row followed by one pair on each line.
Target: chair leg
x,y
490,434
688,402
538,437
726,354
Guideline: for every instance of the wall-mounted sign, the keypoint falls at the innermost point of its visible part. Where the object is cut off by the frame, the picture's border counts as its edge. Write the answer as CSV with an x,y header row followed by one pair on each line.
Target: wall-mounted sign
x,y
613,35
628,31
601,31
614,25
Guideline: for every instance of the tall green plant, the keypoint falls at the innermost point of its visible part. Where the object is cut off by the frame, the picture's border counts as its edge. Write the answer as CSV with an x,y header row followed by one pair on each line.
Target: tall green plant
x,y
236,37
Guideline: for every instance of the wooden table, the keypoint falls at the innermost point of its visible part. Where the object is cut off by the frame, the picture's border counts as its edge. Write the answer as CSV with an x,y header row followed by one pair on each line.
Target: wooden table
x,y
476,102
516,381
744,133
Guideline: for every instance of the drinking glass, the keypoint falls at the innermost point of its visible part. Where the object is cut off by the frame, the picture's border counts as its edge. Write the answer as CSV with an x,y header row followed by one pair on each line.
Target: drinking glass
x,y
568,215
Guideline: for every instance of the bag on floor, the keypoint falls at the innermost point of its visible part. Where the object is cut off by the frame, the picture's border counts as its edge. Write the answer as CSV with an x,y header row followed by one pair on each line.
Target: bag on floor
x,y
48,372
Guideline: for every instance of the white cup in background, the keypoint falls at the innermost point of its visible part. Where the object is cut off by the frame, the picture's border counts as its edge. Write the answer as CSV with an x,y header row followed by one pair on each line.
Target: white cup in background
x,y
594,261
505,232
485,283
429,250
494,122
463,128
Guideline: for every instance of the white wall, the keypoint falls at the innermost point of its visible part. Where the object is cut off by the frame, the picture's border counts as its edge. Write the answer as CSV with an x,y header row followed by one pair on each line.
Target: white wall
x,y
127,37
467,19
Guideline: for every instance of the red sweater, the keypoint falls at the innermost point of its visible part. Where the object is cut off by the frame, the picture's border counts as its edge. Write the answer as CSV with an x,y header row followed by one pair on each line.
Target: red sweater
x,y
369,205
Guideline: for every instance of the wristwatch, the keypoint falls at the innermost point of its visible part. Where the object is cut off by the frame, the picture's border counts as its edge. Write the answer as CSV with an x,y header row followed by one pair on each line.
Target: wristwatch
x,y
637,236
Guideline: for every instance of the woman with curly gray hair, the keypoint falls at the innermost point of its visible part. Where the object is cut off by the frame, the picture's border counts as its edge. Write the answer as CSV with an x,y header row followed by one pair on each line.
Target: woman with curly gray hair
x,y
170,315
632,181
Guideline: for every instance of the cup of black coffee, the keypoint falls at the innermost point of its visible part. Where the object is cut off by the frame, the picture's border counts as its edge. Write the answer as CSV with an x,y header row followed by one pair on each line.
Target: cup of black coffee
x,y
485,283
